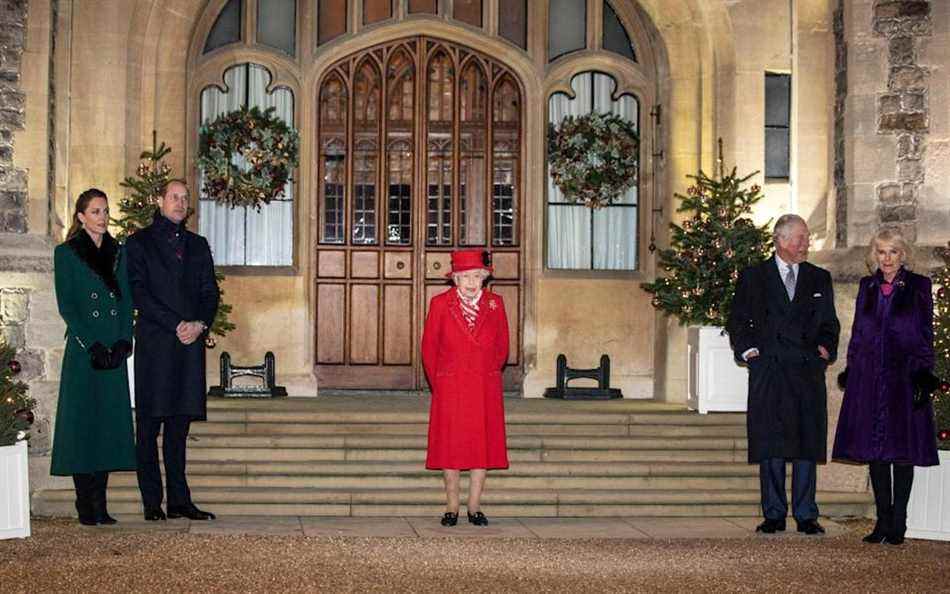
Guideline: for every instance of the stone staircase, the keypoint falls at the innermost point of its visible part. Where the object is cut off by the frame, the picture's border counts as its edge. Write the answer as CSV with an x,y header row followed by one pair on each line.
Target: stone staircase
x,y
364,456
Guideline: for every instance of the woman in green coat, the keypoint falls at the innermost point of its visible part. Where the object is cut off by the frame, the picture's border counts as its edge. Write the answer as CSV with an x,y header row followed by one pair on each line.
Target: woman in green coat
x,y
93,432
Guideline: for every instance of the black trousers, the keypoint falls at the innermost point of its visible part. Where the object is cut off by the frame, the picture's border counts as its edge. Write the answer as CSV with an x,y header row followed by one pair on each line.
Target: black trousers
x,y
91,494
174,440
772,489
891,497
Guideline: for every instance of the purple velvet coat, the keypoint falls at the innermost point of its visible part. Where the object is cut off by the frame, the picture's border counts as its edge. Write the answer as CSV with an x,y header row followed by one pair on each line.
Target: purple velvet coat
x,y
892,337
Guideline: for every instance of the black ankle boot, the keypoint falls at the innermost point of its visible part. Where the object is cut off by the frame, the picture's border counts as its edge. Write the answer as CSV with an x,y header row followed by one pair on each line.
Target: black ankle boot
x,y
99,500
895,535
84,505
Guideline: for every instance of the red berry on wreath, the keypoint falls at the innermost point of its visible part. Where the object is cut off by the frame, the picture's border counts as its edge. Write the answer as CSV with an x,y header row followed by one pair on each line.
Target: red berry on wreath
x,y
945,387
944,435
14,366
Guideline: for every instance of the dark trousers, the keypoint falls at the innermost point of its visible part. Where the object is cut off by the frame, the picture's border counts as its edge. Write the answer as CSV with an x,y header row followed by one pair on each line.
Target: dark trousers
x,y
91,494
174,441
891,505
772,487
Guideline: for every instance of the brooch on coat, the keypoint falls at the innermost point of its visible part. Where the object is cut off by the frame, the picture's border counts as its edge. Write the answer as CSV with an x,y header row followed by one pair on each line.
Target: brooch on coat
x,y
492,305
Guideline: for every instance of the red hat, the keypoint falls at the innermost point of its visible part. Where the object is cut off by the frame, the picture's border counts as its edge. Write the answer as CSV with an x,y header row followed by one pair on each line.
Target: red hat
x,y
463,260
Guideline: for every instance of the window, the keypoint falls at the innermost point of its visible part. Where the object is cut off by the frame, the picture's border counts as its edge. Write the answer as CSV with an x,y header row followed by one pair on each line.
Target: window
x,y
513,21
245,236
567,27
277,24
778,99
226,28
579,238
616,38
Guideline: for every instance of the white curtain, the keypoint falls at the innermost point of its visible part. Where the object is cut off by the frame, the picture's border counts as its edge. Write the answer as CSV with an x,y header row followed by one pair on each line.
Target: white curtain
x,y
569,227
246,236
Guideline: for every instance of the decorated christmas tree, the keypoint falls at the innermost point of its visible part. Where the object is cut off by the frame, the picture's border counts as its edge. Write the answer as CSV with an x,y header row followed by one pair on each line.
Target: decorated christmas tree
x,y
941,281
16,408
698,273
138,208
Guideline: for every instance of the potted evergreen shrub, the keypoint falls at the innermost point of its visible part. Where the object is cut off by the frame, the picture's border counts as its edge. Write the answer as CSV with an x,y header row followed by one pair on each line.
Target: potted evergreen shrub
x,y
929,509
697,281
16,415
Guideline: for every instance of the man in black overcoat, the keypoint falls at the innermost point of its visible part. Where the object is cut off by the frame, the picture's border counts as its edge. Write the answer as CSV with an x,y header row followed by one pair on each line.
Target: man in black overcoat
x,y
171,274
784,327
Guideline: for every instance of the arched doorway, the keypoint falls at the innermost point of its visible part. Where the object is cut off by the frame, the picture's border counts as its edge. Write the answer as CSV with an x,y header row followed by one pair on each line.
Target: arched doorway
x,y
419,152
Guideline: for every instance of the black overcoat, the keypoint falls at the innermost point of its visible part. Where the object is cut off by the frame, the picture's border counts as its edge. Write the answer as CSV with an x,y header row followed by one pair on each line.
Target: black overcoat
x,y
166,290
787,409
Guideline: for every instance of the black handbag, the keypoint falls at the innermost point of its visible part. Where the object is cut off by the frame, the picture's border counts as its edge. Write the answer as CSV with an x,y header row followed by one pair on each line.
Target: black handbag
x,y
925,384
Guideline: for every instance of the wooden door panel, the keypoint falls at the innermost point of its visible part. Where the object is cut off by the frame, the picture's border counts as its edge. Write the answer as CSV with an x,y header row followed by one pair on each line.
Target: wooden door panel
x,y
364,265
397,325
505,265
330,322
511,295
438,264
364,324
398,265
331,264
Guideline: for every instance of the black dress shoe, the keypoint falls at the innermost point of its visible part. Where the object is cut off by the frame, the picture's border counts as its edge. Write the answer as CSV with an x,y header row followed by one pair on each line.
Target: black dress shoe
x,y
478,518
771,526
154,514
810,527
188,511
105,519
878,535
449,519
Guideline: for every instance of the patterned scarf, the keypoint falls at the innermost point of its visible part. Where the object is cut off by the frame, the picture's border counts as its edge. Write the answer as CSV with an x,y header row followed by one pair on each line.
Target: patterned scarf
x,y
469,308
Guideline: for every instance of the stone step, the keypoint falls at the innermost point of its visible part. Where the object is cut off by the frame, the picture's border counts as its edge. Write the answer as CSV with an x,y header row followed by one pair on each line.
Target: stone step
x,y
515,442
430,502
418,455
421,428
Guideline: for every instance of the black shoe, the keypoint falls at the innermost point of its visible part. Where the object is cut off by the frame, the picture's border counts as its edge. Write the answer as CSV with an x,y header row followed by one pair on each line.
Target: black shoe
x,y
188,511
894,539
478,518
878,535
810,527
154,514
449,519
771,526
105,519
87,520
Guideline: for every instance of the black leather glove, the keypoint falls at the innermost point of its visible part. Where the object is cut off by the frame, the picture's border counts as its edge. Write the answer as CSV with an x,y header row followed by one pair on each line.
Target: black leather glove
x,y
100,355
843,379
120,351
925,383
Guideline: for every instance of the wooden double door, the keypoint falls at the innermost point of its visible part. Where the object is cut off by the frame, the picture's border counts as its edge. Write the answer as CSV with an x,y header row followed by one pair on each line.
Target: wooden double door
x,y
420,153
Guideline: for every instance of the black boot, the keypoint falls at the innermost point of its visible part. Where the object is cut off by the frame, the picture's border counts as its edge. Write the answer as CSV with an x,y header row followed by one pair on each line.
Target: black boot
x,y
84,499
903,482
881,486
99,499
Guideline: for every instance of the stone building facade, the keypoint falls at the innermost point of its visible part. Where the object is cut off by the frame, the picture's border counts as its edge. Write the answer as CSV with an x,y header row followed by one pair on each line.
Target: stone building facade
x,y
84,84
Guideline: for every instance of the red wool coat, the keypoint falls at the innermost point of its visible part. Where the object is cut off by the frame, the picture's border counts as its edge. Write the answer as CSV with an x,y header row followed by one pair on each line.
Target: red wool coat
x,y
467,415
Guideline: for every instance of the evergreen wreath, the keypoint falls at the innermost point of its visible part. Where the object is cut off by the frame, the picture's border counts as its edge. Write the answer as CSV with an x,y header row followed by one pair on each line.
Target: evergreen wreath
x,y
593,158
268,146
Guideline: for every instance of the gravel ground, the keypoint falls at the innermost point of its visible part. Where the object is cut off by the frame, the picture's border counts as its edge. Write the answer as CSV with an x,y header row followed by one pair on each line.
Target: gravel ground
x,y
63,557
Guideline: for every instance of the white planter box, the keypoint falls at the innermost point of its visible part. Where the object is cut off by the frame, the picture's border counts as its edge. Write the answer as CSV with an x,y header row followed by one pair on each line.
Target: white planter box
x,y
715,381
928,514
14,492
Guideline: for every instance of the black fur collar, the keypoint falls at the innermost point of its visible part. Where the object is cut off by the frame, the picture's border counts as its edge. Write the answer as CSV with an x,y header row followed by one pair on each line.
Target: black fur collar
x,y
102,260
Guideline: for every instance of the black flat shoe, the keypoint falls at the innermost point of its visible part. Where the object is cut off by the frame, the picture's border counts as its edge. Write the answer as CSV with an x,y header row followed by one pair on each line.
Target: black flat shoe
x,y
771,526
154,514
894,539
478,518
188,511
449,519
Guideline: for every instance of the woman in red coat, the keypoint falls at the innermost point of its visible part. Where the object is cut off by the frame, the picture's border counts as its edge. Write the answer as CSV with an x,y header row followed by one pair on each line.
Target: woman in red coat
x,y
464,348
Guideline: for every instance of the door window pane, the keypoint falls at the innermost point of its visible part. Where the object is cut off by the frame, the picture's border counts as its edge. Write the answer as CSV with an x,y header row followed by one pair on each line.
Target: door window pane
x,y
399,149
506,158
441,96
473,102
277,24
513,21
366,107
333,107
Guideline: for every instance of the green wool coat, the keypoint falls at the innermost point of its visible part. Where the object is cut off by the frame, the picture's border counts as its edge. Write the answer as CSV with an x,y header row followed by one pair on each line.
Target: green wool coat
x,y
93,430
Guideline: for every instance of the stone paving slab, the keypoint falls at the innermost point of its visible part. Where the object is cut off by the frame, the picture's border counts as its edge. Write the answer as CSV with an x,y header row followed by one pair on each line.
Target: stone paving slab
x,y
358,527
748,524
582,528
249,525
688,528
500,528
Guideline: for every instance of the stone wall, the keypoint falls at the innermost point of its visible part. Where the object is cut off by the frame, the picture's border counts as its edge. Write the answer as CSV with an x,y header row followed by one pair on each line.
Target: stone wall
x,y
13,181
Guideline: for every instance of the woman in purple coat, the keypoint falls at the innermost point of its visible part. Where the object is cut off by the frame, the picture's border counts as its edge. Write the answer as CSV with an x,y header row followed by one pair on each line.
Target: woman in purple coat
x,y
890,358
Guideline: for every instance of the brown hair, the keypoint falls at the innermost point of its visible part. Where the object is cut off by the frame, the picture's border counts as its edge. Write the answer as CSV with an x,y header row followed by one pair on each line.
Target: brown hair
x,y
894,237
174,180
82,203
